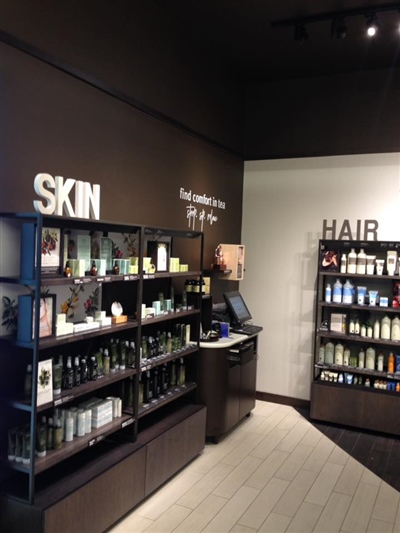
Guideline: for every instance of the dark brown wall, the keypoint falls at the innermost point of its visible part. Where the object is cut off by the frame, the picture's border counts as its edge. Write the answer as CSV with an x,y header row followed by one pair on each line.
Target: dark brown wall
x,y
54,123
137,48
334,115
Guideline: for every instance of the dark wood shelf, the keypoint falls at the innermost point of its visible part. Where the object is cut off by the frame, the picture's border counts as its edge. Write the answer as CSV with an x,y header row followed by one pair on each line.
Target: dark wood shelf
x,y
169,316
150,363
337,274
68,449
158,275
358,388
172,394
378,308
357,338
68,395
53,340
362,371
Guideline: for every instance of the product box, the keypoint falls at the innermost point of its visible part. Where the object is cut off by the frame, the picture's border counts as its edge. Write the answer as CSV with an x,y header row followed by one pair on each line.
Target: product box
x,y
397,369
338,323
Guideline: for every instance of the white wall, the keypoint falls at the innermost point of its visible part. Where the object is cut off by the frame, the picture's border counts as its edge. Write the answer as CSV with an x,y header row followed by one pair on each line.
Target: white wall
x,y
284,205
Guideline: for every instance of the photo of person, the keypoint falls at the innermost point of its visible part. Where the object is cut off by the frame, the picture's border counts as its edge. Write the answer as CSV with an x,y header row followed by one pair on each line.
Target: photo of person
x,y
45,316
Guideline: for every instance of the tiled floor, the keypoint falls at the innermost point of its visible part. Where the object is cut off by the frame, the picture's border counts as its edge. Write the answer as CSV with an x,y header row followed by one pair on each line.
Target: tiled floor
x,y
276,472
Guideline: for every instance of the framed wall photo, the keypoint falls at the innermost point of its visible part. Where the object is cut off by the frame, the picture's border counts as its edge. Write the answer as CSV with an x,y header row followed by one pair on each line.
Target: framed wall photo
x,y
46,315
26,317
159,251
51,250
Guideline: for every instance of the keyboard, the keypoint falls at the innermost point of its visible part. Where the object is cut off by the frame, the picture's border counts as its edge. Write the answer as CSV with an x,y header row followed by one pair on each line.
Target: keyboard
x,y
249,329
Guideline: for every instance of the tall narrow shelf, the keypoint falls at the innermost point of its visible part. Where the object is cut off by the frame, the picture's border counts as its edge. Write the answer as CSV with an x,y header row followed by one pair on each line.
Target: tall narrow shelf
x,y
24,486
346,392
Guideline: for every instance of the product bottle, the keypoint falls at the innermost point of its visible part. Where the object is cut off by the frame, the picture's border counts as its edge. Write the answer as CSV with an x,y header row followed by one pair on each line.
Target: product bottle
x,y
69,428
67,270
352,262
77,372
370,358
131,354
386,328
339,354
114,356
379,364
106,362
361,262
156,383
337,292
329,352
146,387
173,375
122,355
169,342
361,359
164,379
357,327
49,436
321,354
363,330
84,370
93,369
57,436
93,269
115,268
391,362
41,434
140,399
328,293
377,329
181,372
69,374
28,381
348,292
346,356
395,331
343,264
352,326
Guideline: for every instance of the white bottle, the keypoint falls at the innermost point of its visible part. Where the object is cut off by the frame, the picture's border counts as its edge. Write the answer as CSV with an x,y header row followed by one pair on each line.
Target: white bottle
x,y
386,328
395,332
337,292
357,327
346,356
69,428
348,292
339,354
377,329
352,262
329,351
328,293
379,364
321,354
363,330
352,326
361,262
343,264
361,359
370,358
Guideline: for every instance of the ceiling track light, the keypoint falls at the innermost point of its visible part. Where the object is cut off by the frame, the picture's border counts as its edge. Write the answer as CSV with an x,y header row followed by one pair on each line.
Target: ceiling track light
x,y
338,22
338,28
372,25
300,33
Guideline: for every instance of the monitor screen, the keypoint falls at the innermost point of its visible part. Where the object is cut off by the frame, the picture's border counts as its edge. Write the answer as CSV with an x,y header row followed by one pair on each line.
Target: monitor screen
x,y
236,307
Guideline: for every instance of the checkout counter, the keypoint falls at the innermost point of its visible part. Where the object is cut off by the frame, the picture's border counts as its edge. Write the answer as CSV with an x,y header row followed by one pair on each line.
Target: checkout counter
x,y
227,381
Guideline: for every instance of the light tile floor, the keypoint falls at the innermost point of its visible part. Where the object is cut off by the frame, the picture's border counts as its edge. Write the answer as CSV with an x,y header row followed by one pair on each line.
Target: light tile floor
x,y
274,473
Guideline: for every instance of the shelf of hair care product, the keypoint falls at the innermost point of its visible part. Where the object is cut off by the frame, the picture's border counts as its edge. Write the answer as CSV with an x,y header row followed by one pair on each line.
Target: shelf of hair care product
x,y
357,327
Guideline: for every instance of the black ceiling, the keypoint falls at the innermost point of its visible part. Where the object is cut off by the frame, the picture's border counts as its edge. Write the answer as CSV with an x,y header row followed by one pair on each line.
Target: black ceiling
x,y
239,36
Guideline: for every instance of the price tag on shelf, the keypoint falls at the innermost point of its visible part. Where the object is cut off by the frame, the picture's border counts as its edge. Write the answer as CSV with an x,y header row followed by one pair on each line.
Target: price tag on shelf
x,y
94,441
127,423
66,399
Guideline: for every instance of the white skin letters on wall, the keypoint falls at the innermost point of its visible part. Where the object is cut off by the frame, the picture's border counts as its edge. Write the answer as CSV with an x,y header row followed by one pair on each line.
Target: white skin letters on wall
x,y
87,197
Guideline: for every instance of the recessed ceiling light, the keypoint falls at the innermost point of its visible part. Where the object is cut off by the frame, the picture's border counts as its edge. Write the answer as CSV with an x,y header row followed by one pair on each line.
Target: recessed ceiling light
x,y
372,25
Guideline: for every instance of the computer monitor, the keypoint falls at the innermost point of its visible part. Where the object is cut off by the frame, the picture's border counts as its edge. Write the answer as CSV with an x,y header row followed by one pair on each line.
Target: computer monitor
x,y
237,308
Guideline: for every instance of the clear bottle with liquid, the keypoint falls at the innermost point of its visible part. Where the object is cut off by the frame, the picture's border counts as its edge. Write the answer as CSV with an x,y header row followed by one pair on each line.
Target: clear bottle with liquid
x,y
370,358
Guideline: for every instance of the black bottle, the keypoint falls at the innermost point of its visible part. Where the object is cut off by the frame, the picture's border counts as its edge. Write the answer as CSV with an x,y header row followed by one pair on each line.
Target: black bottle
x,y
69,374
164,379
173,374
84,370
146,387
77,372
156,384
93,369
